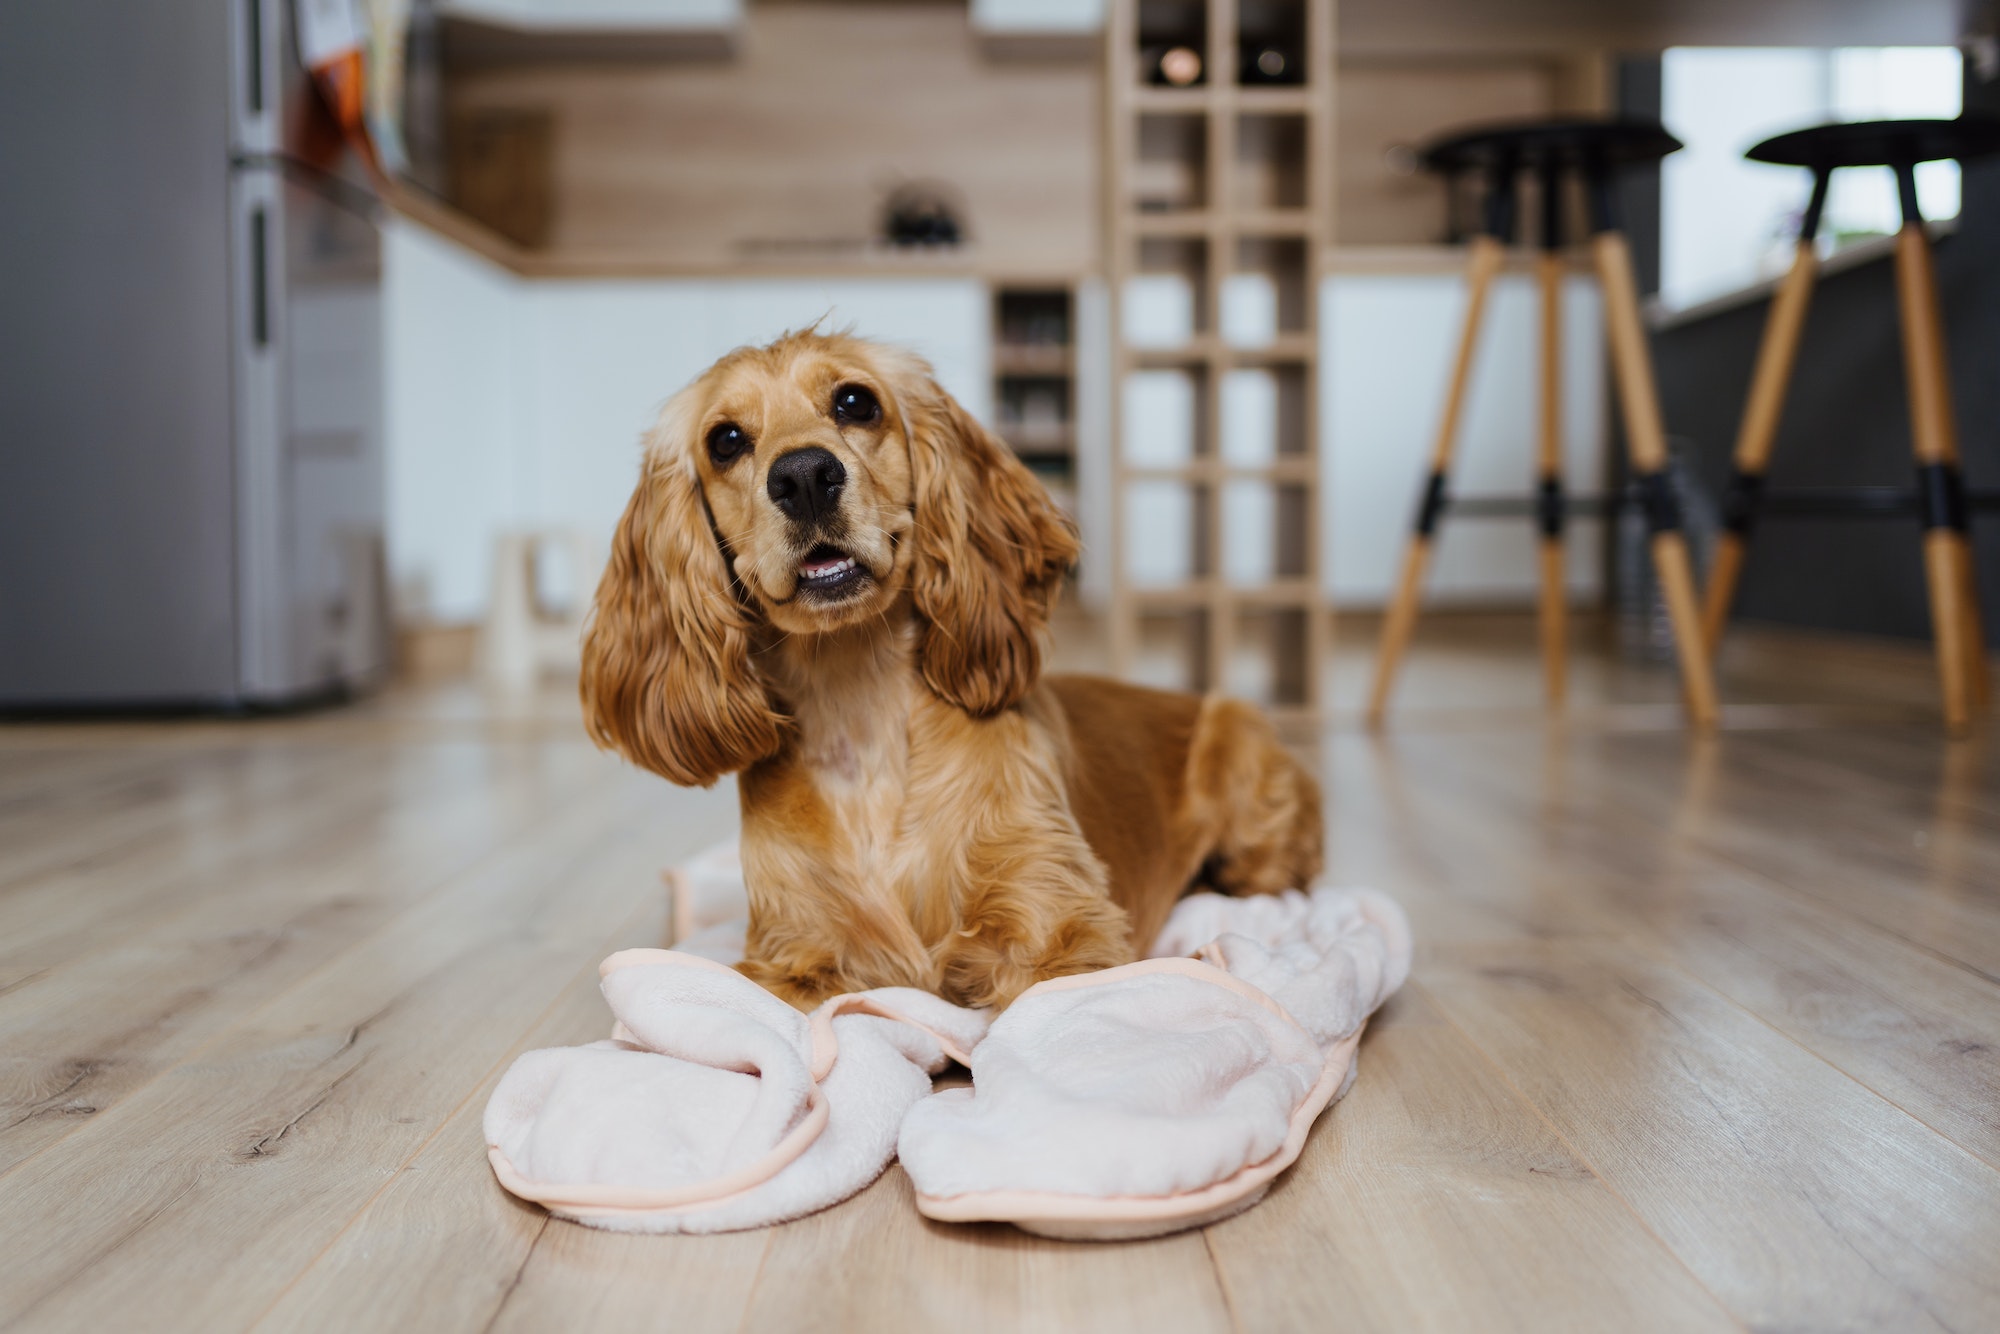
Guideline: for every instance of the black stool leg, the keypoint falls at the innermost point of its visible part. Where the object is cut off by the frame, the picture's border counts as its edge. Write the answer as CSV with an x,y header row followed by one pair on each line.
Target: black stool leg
x,y
1646,441
1759,429
1488,250
1549,507
1961,651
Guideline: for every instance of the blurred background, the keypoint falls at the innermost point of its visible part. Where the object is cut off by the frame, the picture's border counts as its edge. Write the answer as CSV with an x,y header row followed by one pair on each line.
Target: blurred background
x,y
331,327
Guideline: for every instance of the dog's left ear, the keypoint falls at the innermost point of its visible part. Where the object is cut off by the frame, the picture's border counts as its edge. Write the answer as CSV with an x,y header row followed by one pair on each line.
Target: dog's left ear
x,y
991,551
667,678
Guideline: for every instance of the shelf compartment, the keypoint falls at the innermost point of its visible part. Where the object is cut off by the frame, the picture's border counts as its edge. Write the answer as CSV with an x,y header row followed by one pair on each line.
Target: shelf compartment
x,y
1271,44
1166,299
1267,293
1033,407
1032,318
1170,171
1165,417
1265,537
1169,531
1270,656
1034,387
1264,421
1175,649
1270,170
1173,26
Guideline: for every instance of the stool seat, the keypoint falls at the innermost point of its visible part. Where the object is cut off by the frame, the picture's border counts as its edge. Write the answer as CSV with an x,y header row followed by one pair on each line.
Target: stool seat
x,y
1575,142
1882,143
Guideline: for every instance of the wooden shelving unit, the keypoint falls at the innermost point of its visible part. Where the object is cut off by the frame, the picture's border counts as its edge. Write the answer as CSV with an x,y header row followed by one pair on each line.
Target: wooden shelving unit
x,y
1218,211
1034,381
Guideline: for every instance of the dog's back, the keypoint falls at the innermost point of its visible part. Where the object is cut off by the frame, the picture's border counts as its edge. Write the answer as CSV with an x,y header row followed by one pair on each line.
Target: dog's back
x,y
1174,790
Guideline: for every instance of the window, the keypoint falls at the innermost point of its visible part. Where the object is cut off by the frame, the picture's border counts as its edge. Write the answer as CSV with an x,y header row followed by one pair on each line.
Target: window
x,y
1727,223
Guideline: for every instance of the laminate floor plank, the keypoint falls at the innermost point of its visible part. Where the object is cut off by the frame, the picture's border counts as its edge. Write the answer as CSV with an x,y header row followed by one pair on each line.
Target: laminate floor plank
x,y
79,1036
875,1266
159,807
582,1278
1798,1197
1894,769
1883,812
208,1190
442,1248
52,773
1433,1197
127,856
1858,862
1844,861
386,801
1911,1026
386,797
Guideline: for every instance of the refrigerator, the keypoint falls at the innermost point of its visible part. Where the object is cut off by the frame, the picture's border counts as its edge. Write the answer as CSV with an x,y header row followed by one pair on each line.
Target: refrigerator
x,y
191,379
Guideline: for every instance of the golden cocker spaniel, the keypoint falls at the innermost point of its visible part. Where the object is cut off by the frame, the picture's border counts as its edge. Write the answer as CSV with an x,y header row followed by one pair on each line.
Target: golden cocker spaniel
x,y
834,581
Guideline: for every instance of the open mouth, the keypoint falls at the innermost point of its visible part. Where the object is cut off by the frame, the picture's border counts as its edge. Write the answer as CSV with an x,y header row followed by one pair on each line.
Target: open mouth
x,y
828,572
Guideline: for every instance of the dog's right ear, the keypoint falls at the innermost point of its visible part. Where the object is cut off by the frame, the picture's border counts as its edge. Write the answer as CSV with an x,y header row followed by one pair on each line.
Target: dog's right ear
x,y
667,679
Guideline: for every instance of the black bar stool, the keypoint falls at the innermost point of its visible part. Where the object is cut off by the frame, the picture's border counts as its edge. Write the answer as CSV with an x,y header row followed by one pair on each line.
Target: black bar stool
x,y
1590,151
1899,145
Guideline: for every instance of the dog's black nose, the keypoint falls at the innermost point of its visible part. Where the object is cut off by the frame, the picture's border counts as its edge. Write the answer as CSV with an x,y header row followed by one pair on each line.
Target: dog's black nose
x,y
805,484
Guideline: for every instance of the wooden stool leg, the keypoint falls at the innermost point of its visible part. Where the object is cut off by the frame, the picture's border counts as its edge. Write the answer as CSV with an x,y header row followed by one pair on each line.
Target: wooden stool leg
x,y
1759,432
1646,439
1933,435
1555,584
1486,255
1977,665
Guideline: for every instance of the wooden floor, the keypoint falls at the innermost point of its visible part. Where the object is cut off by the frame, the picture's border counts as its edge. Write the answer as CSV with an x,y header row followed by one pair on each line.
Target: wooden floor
x,y
1701,1034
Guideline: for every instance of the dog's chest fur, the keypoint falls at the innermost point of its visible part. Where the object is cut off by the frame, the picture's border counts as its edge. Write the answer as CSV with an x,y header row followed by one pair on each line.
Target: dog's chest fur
x,y
867,828
850,699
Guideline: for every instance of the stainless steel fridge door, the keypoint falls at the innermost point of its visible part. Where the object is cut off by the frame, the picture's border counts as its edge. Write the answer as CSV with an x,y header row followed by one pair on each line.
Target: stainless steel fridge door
x,y
309,465
310,472
334,437
117,560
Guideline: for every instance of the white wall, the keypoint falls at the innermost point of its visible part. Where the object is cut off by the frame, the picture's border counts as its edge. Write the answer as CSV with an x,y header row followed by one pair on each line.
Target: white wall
x,y
452,437
523,403
1384,364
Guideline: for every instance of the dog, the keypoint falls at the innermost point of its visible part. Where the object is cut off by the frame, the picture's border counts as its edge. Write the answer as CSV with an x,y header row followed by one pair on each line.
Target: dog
x,y
834,582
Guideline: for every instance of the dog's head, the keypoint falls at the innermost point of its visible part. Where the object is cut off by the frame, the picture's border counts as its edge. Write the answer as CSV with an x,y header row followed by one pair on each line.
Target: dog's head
x,y
809,486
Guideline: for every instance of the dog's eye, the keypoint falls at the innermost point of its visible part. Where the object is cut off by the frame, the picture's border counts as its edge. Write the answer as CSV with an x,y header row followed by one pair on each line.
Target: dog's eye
x,y
855,406
726,441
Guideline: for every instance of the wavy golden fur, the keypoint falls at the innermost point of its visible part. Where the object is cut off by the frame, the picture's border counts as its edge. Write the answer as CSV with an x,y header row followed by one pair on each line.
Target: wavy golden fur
x,y
834,581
